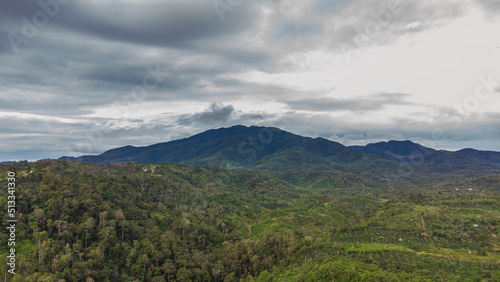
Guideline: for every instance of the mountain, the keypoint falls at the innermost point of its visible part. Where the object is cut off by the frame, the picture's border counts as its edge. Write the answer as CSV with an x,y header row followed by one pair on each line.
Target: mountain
x,y
444,161
237,147
488,156
403,151
407,151
172,222
66,158
277,151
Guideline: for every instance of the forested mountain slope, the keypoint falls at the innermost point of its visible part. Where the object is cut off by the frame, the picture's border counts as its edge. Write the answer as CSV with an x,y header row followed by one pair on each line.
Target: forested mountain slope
x,y
166,222
279,152
405,151
237,146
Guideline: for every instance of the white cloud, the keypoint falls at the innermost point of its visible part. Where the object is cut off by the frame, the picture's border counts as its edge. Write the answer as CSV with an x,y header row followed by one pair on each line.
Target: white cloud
x,y
280,61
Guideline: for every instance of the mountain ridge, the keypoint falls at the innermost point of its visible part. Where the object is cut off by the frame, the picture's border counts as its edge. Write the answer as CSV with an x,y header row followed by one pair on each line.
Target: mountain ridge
x,y
404,151
273,149
238,145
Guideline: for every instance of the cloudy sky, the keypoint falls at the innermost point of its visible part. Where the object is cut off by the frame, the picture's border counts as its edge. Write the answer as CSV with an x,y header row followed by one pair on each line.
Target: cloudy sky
x,y
83,76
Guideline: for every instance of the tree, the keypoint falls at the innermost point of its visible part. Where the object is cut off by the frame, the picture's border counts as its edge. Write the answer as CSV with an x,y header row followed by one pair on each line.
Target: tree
x,y
87,225
184,274
168,268
124,225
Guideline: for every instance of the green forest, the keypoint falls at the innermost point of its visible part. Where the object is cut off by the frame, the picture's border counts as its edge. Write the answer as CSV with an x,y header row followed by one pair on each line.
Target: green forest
x,y
174,222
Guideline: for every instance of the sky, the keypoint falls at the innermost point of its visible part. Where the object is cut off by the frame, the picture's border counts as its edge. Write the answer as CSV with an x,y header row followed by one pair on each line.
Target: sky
x,y
80,77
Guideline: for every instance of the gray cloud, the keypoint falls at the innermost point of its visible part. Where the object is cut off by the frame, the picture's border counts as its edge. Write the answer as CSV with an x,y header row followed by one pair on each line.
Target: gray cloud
x,y
161,23
370,103
55,138
217,113
440,133
346,25
490,7
74,84
90,55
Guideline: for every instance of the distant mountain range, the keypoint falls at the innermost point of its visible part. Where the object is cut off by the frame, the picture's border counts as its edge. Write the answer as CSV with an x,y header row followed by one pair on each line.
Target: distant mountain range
x,y
488,156
269,148
407,151
404,151
237,146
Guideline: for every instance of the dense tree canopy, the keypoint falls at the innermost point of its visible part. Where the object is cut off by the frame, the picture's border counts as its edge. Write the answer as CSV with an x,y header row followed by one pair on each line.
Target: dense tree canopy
x,y
165,222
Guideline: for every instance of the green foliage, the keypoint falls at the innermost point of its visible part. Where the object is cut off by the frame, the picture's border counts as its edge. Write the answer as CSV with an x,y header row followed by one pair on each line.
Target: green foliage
x,y
81,222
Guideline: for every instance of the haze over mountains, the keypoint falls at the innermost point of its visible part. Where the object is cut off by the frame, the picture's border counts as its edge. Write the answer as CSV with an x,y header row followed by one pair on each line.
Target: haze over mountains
x,y
270,148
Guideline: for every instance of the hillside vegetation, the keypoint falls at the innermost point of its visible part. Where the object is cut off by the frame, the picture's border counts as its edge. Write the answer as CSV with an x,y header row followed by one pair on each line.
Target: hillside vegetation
x,y
274,150
166,222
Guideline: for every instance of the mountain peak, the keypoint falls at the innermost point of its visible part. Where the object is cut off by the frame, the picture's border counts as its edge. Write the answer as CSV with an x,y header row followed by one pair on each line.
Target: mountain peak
x,y
397,150
238,145
488,156
270,148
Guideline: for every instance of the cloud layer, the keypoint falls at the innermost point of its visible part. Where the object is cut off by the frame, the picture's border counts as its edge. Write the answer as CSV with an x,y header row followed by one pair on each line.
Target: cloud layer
x,y
82,77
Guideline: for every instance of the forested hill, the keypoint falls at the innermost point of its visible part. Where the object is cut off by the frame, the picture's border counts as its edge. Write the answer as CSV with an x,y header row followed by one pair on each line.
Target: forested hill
x,y
405,151
237,146
172,222
274,150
